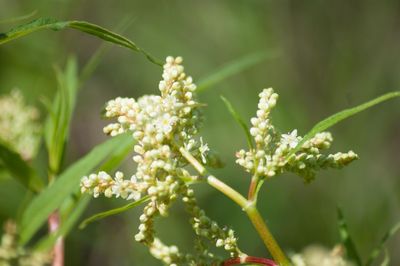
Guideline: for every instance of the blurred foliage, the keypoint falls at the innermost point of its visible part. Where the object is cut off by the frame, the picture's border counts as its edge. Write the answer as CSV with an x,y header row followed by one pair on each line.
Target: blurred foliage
x,y
332,55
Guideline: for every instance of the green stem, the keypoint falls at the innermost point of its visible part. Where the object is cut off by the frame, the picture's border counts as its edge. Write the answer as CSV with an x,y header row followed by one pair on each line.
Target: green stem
x,y
247,205
228,191
266,236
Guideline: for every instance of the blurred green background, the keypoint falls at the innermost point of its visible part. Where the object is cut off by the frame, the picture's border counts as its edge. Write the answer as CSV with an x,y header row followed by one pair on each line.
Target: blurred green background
x,y
327,56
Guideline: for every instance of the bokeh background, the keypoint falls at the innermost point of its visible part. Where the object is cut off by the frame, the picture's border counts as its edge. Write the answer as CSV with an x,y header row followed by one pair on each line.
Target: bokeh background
x,y
325,56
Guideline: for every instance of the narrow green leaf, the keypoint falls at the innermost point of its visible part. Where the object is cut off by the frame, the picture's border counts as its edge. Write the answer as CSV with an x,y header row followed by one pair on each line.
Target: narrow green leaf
x,y
89,28
67,224
67,183
381,246
348,243
115,159
232,68
336,118
58,122
19,169
111,212
239,120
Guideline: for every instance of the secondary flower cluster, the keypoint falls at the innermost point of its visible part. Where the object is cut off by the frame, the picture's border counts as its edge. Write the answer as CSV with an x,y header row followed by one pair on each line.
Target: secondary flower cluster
x,y
12,254
161,124
272,154
320,256
19,126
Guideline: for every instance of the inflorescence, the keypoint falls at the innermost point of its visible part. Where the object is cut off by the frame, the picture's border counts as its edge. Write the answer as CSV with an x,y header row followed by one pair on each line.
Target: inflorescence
x,y
161,124
272,154
13,254
19,125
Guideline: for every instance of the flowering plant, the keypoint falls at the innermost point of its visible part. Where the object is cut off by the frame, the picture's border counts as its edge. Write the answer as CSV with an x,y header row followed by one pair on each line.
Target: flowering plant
x,y
165,128
171,156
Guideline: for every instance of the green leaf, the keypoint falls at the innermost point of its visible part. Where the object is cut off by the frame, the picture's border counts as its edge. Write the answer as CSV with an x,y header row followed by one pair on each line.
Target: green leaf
x,y
377,250
18,19
19,169
348,243
67,183
89,28
67,224
336,118
239,120
58,122
111,212
232,68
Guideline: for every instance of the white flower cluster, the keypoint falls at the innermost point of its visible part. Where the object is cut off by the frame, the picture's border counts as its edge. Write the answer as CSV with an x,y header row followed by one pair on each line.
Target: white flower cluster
x,y
12,254
19,125
161,124
320,256
103,183
271,155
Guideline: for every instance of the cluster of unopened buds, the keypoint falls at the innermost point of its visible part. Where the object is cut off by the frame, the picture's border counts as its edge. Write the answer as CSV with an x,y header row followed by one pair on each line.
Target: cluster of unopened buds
x,y
273,153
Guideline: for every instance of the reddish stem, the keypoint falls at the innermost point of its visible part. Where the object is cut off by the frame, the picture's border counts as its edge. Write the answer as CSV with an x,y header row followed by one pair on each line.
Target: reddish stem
x,y
252,189
58,249
260,261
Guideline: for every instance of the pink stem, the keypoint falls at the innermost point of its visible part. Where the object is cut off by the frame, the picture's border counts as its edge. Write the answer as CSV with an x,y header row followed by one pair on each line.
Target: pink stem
x,y
58,249
260,261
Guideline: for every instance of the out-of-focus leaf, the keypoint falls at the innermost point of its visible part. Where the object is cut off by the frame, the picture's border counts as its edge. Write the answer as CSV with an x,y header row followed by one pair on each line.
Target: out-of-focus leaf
x,y
239,120
19,169
232,68
89,28
111,212
18,19
347,241
381,246
336,118
386,258
67,183
120,154
58,123
67,224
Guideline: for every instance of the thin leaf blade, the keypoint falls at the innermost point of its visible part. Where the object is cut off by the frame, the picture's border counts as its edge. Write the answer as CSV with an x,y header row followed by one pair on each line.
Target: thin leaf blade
x,y
19,169
342,115
66,226
347,241
83,26
111,212
381,246
239,120
231,68
58,122
66,184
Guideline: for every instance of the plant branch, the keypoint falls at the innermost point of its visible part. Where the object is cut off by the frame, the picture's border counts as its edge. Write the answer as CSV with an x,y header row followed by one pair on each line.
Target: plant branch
x,y
247,205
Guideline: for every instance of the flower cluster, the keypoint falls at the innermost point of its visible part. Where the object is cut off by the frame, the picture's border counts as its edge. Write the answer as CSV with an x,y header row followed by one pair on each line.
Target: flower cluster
x,y
161,124
12,254
274,152
19,126
320,256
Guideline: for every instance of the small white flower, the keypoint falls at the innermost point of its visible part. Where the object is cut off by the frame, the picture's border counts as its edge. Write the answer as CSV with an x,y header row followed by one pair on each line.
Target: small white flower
x,y
203,149
290,139
165,123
